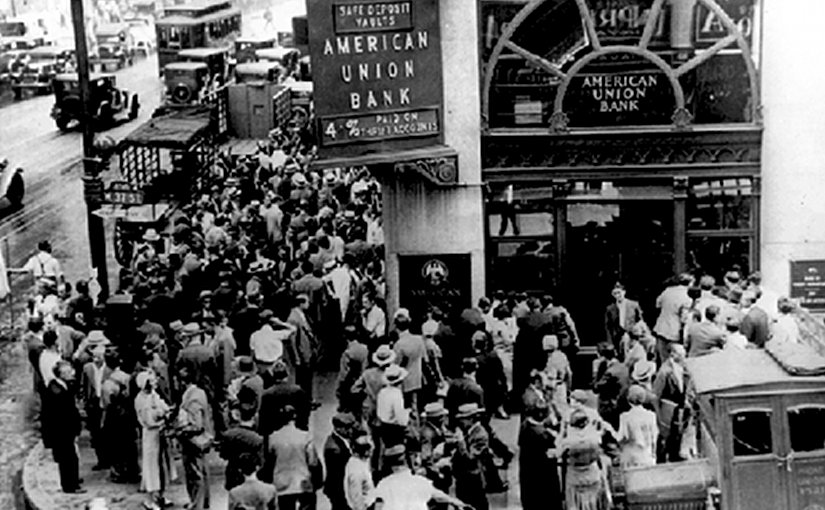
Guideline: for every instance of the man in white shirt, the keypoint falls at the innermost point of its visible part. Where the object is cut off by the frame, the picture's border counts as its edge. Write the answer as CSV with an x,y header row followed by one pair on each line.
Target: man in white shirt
x,y
341,280
267,343
402,490
392,415
358,485
671,303
49,357
373,318
43,264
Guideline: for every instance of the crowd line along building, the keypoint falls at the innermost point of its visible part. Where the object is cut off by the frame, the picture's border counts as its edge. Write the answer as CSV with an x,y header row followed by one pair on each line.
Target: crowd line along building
x,y
563,145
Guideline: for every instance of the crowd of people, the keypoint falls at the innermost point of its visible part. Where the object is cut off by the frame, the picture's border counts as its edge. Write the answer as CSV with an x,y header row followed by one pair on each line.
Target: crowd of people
x,y
275,275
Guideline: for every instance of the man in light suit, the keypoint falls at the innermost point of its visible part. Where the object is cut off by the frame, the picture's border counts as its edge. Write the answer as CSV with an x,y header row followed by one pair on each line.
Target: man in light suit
x,y
91,389
293,465
672,302
620,316
670,389
196,418
252,493
412,353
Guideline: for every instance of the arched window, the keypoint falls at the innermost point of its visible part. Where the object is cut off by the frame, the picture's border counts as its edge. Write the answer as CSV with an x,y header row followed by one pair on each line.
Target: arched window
x,y
567,64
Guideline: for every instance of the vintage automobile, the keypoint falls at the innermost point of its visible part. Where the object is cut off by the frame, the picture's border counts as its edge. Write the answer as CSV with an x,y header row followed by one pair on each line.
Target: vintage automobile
x,y
42,65
186,82
216,60
115,46
12,187
143,33
12,63
109,104
257,72
245,47
757,416
287,57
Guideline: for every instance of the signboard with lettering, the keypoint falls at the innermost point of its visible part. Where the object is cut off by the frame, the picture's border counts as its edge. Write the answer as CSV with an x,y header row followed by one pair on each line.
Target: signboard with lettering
x,y
623,21
634,93
376,68
708,28
808,283
434,280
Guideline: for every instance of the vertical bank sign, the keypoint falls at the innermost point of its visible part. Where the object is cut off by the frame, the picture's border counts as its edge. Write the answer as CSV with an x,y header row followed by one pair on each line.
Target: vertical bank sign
x,y
376,69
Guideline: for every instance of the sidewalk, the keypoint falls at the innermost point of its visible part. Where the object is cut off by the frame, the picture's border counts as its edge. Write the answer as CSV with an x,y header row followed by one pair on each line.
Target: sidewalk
x,y
41,482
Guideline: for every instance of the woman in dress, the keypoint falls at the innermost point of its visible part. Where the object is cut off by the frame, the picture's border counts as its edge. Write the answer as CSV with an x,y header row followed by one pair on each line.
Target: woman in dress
x,y
586,486
151,413
638,431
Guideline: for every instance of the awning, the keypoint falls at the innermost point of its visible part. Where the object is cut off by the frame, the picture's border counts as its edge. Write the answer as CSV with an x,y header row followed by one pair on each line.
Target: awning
x,y
437,164
178,130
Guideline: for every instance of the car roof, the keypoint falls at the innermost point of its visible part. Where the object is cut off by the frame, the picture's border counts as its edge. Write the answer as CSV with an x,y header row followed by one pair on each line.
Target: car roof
x,y
73,76
185,66
49,50
255,38
202,52
257,67
276,52
111,28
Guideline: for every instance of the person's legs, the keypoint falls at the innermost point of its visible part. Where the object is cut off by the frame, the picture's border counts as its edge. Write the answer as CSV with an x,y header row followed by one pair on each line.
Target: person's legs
x,y
307,501
195,470
287,502
65,455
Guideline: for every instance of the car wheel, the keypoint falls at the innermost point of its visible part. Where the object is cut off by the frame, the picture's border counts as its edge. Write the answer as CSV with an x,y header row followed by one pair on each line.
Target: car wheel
x,y
105,115
62,123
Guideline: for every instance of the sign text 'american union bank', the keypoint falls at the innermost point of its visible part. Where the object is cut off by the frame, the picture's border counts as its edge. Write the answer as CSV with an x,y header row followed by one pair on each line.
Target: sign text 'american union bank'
x,y
377,70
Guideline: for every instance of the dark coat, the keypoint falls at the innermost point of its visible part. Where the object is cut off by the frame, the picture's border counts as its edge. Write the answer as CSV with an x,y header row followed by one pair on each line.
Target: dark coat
x,y
538,476
60,419
336,455
528,353
463,391
237,441
613,330
273,401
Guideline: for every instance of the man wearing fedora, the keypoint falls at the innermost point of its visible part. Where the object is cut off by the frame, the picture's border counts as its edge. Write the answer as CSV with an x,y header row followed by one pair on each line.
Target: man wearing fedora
x,y
393,417
469,461
437,446
198,358
276,397
91,387
412,354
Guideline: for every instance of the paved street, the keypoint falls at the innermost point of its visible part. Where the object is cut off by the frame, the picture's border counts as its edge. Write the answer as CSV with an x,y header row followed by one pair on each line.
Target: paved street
x,y
51,160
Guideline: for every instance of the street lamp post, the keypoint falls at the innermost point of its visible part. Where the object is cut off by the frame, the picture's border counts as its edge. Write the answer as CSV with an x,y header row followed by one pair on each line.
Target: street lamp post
x,y
92,183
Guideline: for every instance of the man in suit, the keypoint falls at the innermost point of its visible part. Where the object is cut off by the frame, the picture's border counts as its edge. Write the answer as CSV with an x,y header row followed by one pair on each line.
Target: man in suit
x,y
252,494
465,389
756,323
61,426
302,348
239,441
337,451
91,388
411,353
671,304
620,316
293,465
528,354
705,336
277,397
670,389
195,418
611,385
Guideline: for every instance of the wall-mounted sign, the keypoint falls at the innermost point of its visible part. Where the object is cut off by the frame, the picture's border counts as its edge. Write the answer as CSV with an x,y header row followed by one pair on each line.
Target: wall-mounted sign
x,y
708,27
623,21
122,193
434,280
633,94
376,69
808,283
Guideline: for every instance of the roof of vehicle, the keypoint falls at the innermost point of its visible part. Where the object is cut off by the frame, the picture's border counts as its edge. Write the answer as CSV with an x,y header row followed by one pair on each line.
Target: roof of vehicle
x,y
202,52
185,66
256,67
772,368
276,52
255,39
179,19
177,130
73,76
111,28
300,86
49,50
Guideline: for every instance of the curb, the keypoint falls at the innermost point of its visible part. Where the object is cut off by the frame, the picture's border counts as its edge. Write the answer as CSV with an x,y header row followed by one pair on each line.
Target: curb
x,y
34,496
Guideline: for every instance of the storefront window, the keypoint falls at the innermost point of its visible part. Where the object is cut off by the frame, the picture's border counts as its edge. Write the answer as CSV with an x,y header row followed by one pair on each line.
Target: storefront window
x,y
525,265
715,255
724,204
752,433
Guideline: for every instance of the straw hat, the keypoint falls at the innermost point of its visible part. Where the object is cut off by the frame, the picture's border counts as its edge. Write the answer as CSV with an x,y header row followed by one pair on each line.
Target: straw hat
x,y
383,356
434,410
394,374
467,410
96,337
151,235
642,370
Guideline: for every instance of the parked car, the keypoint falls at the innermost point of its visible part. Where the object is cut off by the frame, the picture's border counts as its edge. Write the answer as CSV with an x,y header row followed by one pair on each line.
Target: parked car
x,y
287,57
109,104
12,63
258,72
115,45
186,82
245,47
216,59
41,67
143,33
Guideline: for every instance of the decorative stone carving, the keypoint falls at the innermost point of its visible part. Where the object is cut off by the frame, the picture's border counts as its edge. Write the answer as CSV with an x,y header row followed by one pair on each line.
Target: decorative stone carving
x,y
442,171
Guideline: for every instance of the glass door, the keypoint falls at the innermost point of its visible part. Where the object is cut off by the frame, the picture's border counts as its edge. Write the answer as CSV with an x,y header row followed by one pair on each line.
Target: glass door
x,y
606,242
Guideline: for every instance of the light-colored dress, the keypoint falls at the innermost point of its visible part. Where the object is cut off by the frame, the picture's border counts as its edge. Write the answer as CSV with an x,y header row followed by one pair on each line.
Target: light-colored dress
x,y
638,432
150,409
586,486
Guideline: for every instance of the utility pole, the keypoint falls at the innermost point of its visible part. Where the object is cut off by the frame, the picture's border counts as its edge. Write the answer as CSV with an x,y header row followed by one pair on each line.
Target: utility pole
x,y
92,183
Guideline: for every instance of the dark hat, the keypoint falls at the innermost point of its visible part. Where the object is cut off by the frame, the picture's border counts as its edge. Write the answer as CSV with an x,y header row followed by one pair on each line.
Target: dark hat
x,y
279,371
246,365
343,421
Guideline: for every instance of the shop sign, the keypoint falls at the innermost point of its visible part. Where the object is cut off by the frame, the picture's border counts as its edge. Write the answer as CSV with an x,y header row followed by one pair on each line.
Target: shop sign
x,y
623,21
708,27
808,283
439,280
638,97
377,73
